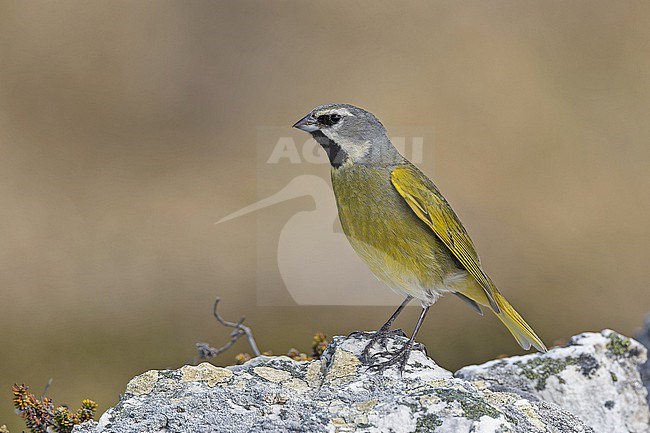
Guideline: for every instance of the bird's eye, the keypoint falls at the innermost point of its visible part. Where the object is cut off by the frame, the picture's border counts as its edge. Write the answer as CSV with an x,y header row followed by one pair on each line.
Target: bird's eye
x,y
329,119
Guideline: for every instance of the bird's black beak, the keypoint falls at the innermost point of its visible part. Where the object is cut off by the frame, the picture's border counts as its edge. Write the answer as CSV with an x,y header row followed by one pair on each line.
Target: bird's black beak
x,y
307,123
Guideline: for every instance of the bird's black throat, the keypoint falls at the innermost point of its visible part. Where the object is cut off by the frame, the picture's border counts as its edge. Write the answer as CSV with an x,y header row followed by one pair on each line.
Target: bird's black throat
x,y
334,152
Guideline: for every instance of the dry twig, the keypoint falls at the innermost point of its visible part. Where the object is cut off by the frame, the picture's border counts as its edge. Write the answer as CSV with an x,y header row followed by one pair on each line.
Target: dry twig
x,y
206,351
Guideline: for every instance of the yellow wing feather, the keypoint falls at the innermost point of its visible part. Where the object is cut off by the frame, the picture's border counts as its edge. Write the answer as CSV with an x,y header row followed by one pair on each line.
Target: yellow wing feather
x,y
430,206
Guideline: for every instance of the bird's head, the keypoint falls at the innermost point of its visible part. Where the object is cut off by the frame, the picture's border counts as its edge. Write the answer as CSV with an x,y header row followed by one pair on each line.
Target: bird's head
x,y
348,134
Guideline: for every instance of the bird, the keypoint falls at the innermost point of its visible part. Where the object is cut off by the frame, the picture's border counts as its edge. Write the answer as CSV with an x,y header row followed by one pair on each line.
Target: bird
x,y
399,223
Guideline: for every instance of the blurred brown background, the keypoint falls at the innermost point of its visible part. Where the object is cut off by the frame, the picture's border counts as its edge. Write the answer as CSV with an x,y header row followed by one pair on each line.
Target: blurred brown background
x,y
128,128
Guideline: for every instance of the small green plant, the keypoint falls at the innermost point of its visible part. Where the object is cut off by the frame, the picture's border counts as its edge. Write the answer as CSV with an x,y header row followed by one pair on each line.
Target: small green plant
x,y
41,416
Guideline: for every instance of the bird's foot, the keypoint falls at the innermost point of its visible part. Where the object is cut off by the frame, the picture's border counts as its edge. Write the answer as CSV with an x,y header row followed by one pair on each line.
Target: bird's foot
x,y
421,347
399,359
380,336
377,334
361,334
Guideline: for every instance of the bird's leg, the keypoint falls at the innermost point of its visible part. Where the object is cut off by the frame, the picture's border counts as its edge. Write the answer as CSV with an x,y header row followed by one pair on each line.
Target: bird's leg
x,y
401,357
384,330
386,326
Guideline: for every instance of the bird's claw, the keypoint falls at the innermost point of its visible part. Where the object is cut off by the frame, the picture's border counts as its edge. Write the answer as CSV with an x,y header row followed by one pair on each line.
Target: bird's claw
x,y
421,347
361,334
399,358
379,336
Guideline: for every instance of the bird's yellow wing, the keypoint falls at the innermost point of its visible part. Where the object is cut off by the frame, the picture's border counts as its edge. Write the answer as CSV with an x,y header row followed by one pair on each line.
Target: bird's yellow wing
x,y
430,206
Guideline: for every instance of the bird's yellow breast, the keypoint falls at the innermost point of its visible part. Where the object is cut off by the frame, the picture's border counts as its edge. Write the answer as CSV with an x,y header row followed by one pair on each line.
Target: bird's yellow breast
x,y
397,246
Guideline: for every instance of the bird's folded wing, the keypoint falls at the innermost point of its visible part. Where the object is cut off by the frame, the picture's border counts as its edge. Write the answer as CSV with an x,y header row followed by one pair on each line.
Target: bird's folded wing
x,y
430,206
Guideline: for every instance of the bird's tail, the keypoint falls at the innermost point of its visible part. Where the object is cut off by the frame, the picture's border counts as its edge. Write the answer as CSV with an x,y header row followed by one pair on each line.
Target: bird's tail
x,y
522,332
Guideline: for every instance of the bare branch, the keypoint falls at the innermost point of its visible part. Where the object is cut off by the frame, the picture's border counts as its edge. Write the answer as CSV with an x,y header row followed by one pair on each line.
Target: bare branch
x,y
206,351
47,386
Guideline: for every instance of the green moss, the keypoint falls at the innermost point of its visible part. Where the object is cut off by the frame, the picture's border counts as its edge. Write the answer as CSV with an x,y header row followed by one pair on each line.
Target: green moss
x,y
614,376
540,369
473,408
427,423
618,345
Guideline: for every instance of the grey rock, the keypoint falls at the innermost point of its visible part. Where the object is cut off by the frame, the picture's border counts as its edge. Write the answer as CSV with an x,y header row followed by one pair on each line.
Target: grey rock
x,y
340,394
644,338
595,377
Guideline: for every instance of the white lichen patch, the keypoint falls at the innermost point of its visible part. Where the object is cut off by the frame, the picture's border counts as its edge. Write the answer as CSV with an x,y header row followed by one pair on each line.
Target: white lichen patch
x,y
143,383
423,368
272,374
398,420
361,419
595,376
205,372
106,419
491,425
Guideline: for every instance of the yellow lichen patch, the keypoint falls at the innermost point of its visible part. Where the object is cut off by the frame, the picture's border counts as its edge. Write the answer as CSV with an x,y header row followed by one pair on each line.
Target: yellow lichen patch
x,y
143,383
500,398
205,372
314,374
438,383
338,422
533,416
345,364
429,400
272,374
297,384
480,384
366,406
342,426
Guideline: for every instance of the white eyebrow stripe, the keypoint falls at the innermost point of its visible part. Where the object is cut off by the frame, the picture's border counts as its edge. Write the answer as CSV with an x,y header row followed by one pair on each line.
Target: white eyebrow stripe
x,y
335,110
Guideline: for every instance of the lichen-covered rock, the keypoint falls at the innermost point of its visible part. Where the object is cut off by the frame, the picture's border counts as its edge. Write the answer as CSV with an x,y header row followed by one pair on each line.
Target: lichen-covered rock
x,y
595,377
336,394
644,338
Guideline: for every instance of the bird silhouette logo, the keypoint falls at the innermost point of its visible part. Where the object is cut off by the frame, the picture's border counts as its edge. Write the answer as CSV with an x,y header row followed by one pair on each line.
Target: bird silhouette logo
x,y
314,258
